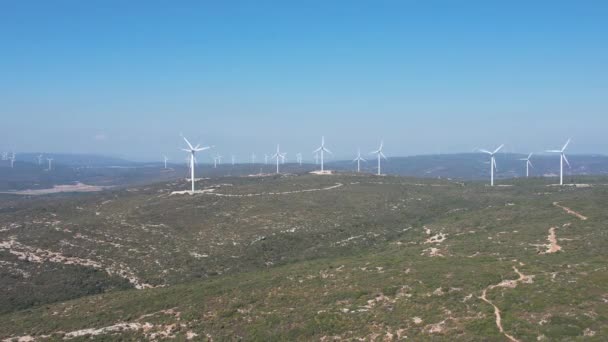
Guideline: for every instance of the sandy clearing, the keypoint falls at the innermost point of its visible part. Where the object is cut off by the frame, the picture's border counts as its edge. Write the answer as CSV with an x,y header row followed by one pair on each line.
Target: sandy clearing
x,y
507,284
212,192
438,238
571,212
38,255
552,247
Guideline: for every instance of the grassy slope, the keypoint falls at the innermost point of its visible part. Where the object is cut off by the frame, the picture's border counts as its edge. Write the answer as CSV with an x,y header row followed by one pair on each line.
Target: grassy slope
x,y
356,264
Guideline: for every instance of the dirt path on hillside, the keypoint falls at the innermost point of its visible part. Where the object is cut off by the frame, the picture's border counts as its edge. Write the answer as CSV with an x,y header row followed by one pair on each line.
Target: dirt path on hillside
x,y
571,212
212,192
511,284
552,247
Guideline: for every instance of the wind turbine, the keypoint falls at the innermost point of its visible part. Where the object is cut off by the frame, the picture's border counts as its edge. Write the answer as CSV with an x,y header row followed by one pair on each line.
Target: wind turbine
x,y
492,162
562,159
215,158
528,164
322,149
299,158
50,160
253,158
283,157
192,150
233,159
165,158
12,159
39,159
380,155
278,155
265,159
359,159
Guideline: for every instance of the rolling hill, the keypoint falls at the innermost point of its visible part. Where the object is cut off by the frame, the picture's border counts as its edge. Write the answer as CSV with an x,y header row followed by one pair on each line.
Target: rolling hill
x,y
301,257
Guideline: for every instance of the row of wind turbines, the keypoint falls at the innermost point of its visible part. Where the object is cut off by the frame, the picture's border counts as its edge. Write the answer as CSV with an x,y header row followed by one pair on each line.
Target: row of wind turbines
x,y
278,156
12,157
562,159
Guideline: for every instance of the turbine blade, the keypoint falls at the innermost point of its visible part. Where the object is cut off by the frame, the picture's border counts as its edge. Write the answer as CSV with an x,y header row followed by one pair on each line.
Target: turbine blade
x,y
326,150
484,151
566,160
187,142
553,151
498,149
565,145
317,150
530,155
530,163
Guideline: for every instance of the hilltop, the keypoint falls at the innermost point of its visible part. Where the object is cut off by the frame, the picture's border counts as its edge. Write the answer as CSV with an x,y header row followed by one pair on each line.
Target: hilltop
x,y
309,257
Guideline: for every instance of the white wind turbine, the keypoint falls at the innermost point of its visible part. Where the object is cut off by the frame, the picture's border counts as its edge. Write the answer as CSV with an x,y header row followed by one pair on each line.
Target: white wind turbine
x,y
359,159
278,155
528,164
50,160
380,155
192,150
265,159
233,159
322,149
165,159
492,162
299,158
562,159
39,159
12,159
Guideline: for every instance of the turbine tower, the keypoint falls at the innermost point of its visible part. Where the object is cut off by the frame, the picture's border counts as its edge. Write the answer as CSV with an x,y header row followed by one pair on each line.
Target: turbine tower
x,y
380,155
359,159
233,159
278,155
165,159
50,160
528,164
192,150
492,162
562,159
299,158
322,149
12,159
39,159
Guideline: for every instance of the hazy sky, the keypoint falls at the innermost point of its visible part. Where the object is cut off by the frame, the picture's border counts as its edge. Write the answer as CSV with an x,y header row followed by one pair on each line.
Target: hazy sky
x,y
126,77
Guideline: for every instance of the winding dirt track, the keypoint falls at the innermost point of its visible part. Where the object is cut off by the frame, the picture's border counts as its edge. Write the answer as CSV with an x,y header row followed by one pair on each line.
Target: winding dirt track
x,y
508,284
212,192
571,212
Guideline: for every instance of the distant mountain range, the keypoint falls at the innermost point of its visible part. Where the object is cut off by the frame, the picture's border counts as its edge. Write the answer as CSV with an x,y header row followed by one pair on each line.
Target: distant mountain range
x,y
103,170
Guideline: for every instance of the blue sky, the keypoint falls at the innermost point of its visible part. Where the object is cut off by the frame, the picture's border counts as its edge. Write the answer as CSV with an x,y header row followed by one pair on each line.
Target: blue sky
x,y
126,77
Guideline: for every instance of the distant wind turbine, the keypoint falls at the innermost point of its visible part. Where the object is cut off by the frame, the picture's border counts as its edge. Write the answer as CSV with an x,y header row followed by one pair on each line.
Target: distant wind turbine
x,y
233,159
380,155
39,159
322,149
253,158
359,159
528,164
492,162
562,159
278,155
192,150
12,159
165,159
299,158
50,160
265,159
